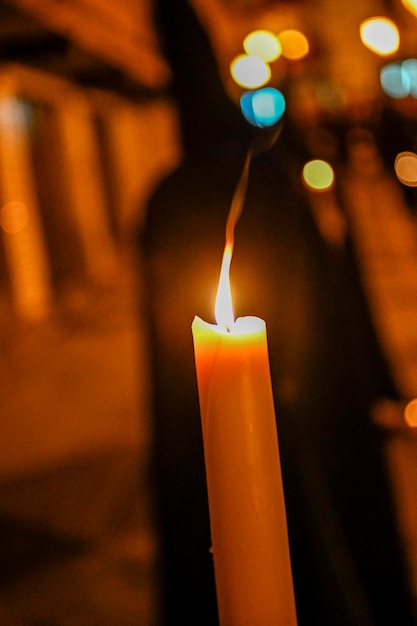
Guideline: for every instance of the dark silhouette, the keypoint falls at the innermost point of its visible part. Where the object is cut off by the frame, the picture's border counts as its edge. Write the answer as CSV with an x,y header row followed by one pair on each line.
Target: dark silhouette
x,y
326,364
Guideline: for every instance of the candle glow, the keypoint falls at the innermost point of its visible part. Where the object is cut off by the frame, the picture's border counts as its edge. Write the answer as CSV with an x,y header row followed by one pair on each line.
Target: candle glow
x,y
250,548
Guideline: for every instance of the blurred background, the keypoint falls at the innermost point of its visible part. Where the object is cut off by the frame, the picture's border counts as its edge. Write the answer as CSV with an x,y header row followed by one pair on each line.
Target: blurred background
x,y
88,129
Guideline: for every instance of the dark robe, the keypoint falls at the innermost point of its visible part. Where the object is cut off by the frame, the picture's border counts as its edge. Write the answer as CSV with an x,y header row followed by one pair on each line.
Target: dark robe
x,y
326,365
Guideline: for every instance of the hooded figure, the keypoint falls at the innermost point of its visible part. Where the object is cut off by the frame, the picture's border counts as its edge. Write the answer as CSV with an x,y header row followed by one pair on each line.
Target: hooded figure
x,y
326,366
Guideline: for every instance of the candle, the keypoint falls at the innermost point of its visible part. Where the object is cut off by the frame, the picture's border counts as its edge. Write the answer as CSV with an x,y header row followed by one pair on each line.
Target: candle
x,y
246,501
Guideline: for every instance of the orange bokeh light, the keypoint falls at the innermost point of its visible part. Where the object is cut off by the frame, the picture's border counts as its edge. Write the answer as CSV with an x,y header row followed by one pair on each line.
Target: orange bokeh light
x,y
294,44
14,217
410,414
411,6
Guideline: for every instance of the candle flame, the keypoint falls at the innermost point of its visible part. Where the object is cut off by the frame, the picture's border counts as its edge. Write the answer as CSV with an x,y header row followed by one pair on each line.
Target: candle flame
x,y
224,306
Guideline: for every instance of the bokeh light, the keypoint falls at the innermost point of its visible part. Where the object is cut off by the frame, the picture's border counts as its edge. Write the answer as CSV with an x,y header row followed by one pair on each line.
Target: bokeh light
x,y
411,6
391,78
294,44
409,76
318,175
399,80
263,107
262,44
250,71
14,217
406,168
410,413
380,35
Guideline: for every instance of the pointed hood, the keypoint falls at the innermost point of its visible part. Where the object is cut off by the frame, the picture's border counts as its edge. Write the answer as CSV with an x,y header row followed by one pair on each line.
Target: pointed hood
x,y
208,117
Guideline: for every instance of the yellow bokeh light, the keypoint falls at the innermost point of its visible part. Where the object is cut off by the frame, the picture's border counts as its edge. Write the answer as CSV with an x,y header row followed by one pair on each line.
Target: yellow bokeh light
x,y
262,44
14,217
318,175
294,44
250,71
380,35
406,168
410,414
410,5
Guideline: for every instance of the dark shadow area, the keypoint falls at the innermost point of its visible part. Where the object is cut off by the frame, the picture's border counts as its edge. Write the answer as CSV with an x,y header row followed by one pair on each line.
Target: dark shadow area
x,y
26,547
75,545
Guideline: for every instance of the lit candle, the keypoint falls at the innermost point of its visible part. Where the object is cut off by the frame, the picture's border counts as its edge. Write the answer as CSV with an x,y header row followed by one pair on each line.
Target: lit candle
x,y
246,501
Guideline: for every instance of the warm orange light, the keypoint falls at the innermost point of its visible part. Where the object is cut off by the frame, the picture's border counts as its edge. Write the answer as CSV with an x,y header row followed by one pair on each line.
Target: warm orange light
x,y
224,306
410,414
263,44
250,71
406,168
14,217
318,175
411,6
380,35
294,44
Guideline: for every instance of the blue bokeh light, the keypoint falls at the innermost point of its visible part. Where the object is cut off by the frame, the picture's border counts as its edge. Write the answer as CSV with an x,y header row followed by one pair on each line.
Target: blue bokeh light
x,y
399,80
392,81
409,72
263,107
